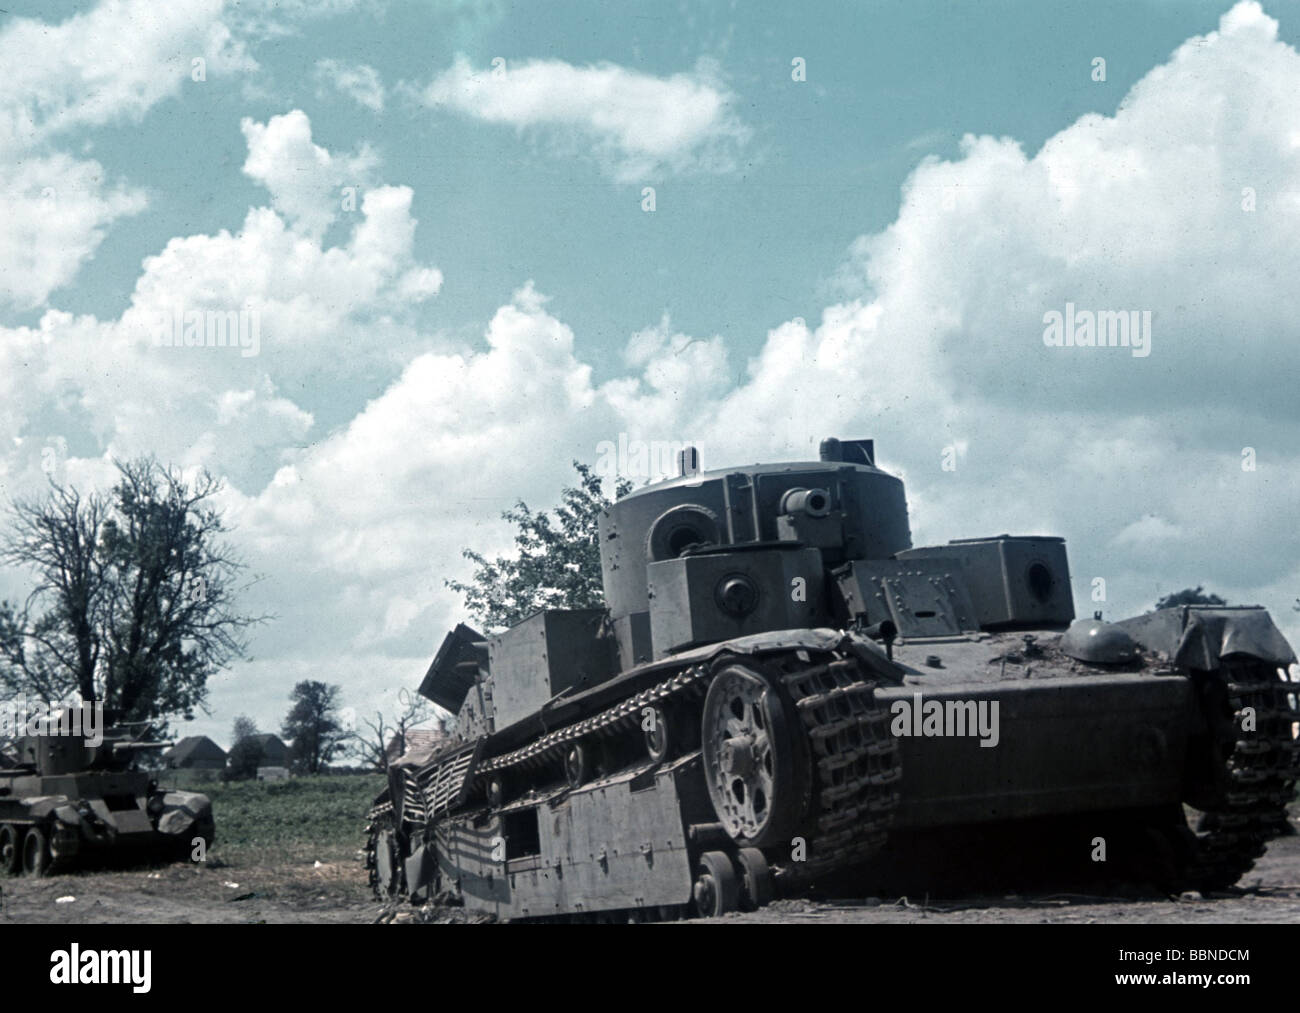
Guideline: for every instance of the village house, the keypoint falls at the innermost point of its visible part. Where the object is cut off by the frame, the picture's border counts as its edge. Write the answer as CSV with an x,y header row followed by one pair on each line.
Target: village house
x,y
421,741
198,753
274,752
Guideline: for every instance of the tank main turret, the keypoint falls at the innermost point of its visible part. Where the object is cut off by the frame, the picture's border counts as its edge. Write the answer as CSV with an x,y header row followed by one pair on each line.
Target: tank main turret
x,y
753,534
707,557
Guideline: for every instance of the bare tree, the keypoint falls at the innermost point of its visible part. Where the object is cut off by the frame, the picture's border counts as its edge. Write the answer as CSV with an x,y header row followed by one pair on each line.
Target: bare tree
x,y
370,745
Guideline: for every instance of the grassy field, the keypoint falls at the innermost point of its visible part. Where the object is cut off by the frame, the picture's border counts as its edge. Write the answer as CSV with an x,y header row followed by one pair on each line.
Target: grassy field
x,y
302,820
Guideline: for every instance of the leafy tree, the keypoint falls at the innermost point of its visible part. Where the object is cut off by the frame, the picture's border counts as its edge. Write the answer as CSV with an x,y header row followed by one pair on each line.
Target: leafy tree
x,y
243,728
557,560
245,751
314,726
134,603
1189,596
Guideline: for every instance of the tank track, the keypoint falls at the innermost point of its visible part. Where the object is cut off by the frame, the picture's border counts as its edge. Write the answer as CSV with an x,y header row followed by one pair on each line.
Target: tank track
x,y
1259,770
625,716
856,758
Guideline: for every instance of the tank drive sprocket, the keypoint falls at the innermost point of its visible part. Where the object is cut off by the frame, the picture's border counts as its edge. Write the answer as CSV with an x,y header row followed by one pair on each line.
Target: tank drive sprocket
x,y
751,758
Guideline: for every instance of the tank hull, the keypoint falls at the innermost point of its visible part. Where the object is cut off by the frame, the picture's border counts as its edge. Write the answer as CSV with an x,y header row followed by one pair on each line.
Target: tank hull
x,y
993,729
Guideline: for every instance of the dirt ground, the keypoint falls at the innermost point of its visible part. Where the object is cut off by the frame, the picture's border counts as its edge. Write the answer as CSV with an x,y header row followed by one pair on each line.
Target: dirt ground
x,y
216,892
1268,893
336,892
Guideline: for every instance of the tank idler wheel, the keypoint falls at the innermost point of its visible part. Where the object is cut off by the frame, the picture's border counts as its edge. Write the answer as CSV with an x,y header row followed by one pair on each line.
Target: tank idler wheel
x,y
658,736
717,889
756,889
496,791
36,852
577,764
749,758
11,858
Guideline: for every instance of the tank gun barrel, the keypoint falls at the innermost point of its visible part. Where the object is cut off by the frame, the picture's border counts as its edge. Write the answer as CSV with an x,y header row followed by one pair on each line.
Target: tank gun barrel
x,y
128,747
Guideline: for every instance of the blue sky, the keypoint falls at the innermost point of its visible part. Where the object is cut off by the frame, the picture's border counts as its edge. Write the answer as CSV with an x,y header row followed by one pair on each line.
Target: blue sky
x,y
824,256
733,254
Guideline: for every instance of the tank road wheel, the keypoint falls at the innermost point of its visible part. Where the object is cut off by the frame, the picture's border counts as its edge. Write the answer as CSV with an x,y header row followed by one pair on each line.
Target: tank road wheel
x,y
36,852
11,858
658,737
717,890
577,764
749,758
756,888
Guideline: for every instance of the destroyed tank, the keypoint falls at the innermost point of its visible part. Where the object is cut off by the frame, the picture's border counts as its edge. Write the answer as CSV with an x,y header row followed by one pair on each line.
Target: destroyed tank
x,y
70,800
782,693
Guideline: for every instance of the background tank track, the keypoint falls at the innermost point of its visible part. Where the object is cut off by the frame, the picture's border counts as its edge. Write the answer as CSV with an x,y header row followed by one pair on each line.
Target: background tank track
x,y
380,820
1257,772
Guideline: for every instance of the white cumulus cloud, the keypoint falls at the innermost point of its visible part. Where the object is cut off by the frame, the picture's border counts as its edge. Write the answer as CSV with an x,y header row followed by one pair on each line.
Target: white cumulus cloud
x,y
636,123
358,81
318,311
111,64
306,182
